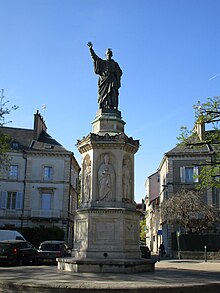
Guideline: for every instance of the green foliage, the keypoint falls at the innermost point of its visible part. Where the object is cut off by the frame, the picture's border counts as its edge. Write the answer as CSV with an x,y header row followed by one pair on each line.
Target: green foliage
x,y
206,113
4,110
187,137
143,229
36,235
210,175
4,147
188,210
4,139
184,134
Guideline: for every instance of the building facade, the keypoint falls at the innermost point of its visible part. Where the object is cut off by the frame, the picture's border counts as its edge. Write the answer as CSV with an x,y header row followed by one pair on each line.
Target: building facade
x,y
39,186
177,170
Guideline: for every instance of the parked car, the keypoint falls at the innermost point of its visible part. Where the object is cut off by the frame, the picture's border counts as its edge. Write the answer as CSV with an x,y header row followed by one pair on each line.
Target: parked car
x,y
145,251
50,250
10,235
17,252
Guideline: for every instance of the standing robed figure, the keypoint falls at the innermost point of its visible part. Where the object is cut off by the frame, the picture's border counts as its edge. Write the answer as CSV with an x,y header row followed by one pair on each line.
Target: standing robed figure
x,y
109,79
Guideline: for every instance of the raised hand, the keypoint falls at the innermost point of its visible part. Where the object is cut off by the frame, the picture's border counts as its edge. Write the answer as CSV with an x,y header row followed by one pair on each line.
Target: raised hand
x,y
90,45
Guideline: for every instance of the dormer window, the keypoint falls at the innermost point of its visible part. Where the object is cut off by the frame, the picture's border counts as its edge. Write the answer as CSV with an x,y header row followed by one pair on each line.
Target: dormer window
x,y
14,145
49,147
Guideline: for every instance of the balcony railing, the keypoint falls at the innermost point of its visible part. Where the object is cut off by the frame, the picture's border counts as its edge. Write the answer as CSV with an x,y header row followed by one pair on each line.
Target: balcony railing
x,y
10,213
45,214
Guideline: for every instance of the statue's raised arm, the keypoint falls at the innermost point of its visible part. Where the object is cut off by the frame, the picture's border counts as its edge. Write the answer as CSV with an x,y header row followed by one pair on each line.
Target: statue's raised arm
x,y
109,79
92,52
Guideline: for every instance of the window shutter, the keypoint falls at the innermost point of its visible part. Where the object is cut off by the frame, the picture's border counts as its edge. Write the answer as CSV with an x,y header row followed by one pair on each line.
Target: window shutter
x,y
182,174
3,200
51,175
196,173
19,198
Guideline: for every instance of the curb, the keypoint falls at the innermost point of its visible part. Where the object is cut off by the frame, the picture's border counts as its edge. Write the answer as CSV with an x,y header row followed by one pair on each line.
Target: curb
x,y
9,287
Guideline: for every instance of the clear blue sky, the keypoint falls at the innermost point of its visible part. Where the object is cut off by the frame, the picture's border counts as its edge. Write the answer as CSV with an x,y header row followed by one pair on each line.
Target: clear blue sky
x,y
169,51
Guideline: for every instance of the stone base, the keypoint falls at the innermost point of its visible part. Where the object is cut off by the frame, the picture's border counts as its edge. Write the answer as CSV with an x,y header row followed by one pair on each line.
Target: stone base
x,y
106,234
108,121
72,264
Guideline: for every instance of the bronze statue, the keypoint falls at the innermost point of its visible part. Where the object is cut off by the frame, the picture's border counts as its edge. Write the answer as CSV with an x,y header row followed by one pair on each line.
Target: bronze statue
x,y
109,79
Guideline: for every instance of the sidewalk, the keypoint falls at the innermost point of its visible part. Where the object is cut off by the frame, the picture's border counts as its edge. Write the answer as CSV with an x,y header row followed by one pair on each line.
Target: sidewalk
x,y
169,276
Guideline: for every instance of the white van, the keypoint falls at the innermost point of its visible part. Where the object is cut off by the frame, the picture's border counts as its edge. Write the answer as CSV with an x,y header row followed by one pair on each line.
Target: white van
x,y
10,235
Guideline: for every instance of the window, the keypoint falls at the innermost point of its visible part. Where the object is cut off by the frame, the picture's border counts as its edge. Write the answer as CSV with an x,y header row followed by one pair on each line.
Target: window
x,y
11,200
189,174
48,173
14,145
46,201
216,197
13,172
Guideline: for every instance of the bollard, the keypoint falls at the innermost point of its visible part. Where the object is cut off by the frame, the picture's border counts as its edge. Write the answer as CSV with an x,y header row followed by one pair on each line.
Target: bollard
x,y
205,253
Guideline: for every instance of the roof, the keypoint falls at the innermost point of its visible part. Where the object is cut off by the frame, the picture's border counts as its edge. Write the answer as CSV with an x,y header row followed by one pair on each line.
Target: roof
x,y
12,241
189,149
196,148
24,140
19,135
53,242
46,142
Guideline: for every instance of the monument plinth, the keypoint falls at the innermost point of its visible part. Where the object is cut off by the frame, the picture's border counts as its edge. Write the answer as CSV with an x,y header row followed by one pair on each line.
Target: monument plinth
x,y
106,224
108,121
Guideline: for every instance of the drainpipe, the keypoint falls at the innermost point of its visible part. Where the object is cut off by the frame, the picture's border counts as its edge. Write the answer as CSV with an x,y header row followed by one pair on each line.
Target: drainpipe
x,y
24,190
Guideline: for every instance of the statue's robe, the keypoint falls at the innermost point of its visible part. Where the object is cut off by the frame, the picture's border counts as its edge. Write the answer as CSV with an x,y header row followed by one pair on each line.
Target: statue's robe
x,y
109,81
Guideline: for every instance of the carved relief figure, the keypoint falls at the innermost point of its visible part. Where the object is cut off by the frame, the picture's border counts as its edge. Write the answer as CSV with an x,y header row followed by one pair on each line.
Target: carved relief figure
x,y
109,79
126,180
87,180
106,180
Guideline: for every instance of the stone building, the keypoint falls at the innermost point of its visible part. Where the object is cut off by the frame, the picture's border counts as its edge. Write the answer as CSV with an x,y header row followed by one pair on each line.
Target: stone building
x,y
177,169
39,187
152,214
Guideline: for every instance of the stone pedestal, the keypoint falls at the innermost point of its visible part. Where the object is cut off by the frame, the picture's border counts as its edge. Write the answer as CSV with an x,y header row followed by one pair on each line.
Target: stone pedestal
x,y
107,233
106,229
86,265
108,121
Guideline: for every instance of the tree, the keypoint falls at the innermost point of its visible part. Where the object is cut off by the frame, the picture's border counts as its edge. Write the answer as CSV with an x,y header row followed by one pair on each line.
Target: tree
x,y
143,229
4,139
188,210
207,113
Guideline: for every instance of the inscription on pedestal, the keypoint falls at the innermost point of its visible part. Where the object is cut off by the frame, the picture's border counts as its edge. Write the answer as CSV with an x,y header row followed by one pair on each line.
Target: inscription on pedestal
x,y
104,232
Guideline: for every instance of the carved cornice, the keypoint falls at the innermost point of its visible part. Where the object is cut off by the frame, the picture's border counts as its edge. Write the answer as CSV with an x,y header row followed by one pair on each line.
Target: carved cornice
x,y
49,154
118,141
106,211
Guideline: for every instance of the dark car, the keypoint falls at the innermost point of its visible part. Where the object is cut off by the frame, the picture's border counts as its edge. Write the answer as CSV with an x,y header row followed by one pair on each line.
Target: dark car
x,y
50,250
17,252
145,251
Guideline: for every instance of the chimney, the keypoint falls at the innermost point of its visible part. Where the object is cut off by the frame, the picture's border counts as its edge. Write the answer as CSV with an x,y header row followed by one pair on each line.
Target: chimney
x,y
200,130
39,125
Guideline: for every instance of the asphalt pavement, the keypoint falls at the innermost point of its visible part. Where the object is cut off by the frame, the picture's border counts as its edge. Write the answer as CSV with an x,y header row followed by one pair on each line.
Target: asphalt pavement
x,y
178,276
